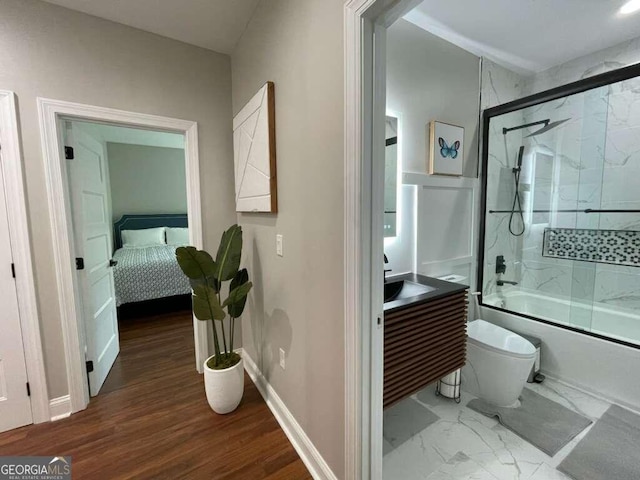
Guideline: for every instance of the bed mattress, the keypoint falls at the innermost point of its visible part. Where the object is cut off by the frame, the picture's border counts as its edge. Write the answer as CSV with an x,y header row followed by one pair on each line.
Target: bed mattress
x,y
147,273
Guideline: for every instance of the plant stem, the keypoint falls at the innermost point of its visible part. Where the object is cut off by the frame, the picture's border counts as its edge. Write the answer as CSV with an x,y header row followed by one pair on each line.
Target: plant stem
x,y
216,342
233,325
224,336
224,339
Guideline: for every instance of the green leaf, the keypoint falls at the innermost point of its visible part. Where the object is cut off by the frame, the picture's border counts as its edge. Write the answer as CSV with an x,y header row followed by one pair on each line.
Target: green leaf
x,y
195,264
210,281
205,303
239,288
229,253
237,294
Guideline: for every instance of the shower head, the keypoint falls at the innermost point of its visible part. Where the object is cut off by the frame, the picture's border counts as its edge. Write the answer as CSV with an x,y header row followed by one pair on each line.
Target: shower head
x,y
548,127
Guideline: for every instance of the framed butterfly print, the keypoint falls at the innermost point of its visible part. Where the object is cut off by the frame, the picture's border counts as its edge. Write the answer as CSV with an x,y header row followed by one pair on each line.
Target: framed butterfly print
x,y
446,148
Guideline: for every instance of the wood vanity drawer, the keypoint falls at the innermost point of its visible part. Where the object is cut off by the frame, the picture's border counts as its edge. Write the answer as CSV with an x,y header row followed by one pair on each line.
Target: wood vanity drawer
x,y
423,343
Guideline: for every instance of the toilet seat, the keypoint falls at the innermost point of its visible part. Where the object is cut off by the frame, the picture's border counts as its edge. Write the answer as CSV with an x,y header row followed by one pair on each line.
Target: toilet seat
x,y
494,338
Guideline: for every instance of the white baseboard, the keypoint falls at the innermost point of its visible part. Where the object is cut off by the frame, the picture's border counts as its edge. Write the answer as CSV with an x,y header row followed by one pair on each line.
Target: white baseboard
x,y
306,450
60,407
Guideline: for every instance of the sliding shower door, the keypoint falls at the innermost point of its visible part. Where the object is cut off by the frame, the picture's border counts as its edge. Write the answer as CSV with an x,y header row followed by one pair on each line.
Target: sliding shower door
x,y
561,239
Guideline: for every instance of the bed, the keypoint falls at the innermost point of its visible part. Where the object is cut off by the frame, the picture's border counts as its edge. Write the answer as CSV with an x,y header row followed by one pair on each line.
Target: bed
x,y
147,272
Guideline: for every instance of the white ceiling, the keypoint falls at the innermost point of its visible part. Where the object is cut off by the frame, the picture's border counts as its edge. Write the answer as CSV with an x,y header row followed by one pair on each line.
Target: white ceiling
x,y
132,136
528,35
213,24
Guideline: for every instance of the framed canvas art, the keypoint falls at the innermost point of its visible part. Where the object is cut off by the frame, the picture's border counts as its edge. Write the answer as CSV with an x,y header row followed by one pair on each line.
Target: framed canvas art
x,y
446,148
254,153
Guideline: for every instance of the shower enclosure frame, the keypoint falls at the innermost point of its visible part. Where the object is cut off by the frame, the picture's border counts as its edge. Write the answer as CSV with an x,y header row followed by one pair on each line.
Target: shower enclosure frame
x,y
573,88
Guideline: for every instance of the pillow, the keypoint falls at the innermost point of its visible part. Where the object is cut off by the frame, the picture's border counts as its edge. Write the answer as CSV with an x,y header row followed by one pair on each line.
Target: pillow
x,y
177,236
145,237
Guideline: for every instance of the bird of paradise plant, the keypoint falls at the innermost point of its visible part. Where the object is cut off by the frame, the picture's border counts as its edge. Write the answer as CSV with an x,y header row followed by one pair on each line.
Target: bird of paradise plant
x,y
206,276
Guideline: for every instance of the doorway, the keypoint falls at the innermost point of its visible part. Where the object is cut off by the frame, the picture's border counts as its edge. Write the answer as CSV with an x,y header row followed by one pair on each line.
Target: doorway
x,y
55,116
23,389
127,189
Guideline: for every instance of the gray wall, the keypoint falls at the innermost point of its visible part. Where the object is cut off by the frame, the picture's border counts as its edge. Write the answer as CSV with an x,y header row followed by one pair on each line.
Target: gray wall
x,y
49,51
146,179
428,79
297,303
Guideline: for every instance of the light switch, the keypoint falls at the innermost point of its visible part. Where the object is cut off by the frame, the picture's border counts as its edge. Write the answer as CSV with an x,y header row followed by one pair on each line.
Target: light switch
x,y
279,245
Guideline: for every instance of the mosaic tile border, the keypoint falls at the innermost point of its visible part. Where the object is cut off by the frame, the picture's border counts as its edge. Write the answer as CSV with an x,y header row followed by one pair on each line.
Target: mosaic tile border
x,y
616,247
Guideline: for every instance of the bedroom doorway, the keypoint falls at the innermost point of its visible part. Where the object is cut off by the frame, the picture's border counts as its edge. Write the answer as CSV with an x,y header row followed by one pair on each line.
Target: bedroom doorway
x,y
127,189
113,242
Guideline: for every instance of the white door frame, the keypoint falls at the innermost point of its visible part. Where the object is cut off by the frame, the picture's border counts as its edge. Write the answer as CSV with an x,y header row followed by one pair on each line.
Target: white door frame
x,y
21,252
51,112
366,22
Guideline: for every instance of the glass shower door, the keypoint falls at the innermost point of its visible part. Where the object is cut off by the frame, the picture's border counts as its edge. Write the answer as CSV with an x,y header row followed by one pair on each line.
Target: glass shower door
x,y
593,137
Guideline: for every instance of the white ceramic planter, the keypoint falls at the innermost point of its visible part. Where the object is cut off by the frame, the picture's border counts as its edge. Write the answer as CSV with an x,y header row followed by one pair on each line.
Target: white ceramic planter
x,y
224,388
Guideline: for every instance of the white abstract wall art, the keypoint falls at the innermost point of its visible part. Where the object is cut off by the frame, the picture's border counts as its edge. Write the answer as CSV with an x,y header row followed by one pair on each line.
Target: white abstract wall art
x,y
254,153
446,149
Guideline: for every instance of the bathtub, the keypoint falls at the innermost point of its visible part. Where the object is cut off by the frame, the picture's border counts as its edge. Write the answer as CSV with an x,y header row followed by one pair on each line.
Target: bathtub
x,y
602,319
596,365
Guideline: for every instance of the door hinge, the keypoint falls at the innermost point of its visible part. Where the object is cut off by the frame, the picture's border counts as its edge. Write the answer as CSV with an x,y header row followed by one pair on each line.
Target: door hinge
x,y
68,153
28,390
13,270
379,321
79,263
89,366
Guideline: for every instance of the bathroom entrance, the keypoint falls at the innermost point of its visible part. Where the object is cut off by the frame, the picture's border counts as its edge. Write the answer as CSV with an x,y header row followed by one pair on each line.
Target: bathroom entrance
x,y
417,206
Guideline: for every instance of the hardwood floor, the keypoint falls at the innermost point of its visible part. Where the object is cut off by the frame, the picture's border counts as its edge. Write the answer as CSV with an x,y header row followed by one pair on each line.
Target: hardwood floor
x,y
151,419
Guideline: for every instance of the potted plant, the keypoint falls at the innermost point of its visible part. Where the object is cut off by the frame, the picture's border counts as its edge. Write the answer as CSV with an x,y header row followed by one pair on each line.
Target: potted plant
x,y
224,370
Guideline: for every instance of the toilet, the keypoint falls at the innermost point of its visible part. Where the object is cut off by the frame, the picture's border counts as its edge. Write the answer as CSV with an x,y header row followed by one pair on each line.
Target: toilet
x,y
498,363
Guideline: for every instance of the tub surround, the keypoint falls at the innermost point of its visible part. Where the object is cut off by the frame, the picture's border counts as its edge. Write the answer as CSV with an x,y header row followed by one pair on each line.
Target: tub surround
x,y
442,289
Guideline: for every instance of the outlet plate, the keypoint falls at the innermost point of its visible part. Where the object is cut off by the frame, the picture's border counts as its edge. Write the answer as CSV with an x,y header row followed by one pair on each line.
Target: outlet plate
x,y
282,359
279,242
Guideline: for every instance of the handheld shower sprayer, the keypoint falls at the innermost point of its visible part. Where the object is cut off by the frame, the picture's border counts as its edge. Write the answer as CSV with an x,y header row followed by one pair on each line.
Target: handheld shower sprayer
x,y
520,155
516,207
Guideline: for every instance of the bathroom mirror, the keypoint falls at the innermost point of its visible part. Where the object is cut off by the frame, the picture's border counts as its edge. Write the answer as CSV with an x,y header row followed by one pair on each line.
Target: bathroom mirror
x,y
391,177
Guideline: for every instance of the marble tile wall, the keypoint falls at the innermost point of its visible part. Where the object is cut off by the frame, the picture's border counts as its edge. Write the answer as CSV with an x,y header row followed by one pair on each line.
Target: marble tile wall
x,y
499,86
614,285
612,58
598,166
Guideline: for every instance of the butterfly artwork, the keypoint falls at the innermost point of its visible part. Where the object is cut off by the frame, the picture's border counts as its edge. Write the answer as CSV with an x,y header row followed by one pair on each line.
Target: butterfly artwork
x,y
448,151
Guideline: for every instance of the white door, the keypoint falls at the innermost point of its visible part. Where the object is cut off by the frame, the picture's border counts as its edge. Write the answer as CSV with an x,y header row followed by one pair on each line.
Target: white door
x,y
91,210
15,405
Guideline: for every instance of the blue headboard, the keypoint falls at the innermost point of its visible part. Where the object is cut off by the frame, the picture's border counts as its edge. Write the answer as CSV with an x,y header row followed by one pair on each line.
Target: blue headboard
x,y
138,222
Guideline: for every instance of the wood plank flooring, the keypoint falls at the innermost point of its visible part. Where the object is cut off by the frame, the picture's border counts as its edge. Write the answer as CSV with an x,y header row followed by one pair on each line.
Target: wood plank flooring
x,y
152,420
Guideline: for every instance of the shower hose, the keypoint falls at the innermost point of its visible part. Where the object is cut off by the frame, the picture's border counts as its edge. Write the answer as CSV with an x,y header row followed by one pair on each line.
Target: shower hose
x,y
516,204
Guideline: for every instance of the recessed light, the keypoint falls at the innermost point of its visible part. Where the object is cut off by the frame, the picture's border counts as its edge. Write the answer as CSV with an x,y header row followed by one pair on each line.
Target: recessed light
x,y
630,7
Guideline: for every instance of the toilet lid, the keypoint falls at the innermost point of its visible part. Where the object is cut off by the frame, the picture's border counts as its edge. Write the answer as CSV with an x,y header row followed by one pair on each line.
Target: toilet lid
x,y
485,333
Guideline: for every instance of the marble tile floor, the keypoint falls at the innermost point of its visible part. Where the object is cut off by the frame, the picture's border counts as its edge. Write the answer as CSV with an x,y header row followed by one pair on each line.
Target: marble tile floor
x,y
462,444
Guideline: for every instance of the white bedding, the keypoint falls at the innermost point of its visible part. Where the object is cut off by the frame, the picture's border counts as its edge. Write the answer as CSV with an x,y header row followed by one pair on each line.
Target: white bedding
x,y
146,273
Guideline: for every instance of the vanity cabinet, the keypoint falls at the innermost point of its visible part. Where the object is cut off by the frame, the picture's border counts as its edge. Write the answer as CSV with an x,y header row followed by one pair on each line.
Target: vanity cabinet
x,y
423,342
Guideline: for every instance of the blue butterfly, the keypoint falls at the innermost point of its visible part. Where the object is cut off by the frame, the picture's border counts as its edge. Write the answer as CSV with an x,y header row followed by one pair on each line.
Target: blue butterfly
x,y
448,151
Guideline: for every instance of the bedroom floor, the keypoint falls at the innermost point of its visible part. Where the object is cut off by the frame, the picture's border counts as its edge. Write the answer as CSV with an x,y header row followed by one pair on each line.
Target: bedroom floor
x,y
151,418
